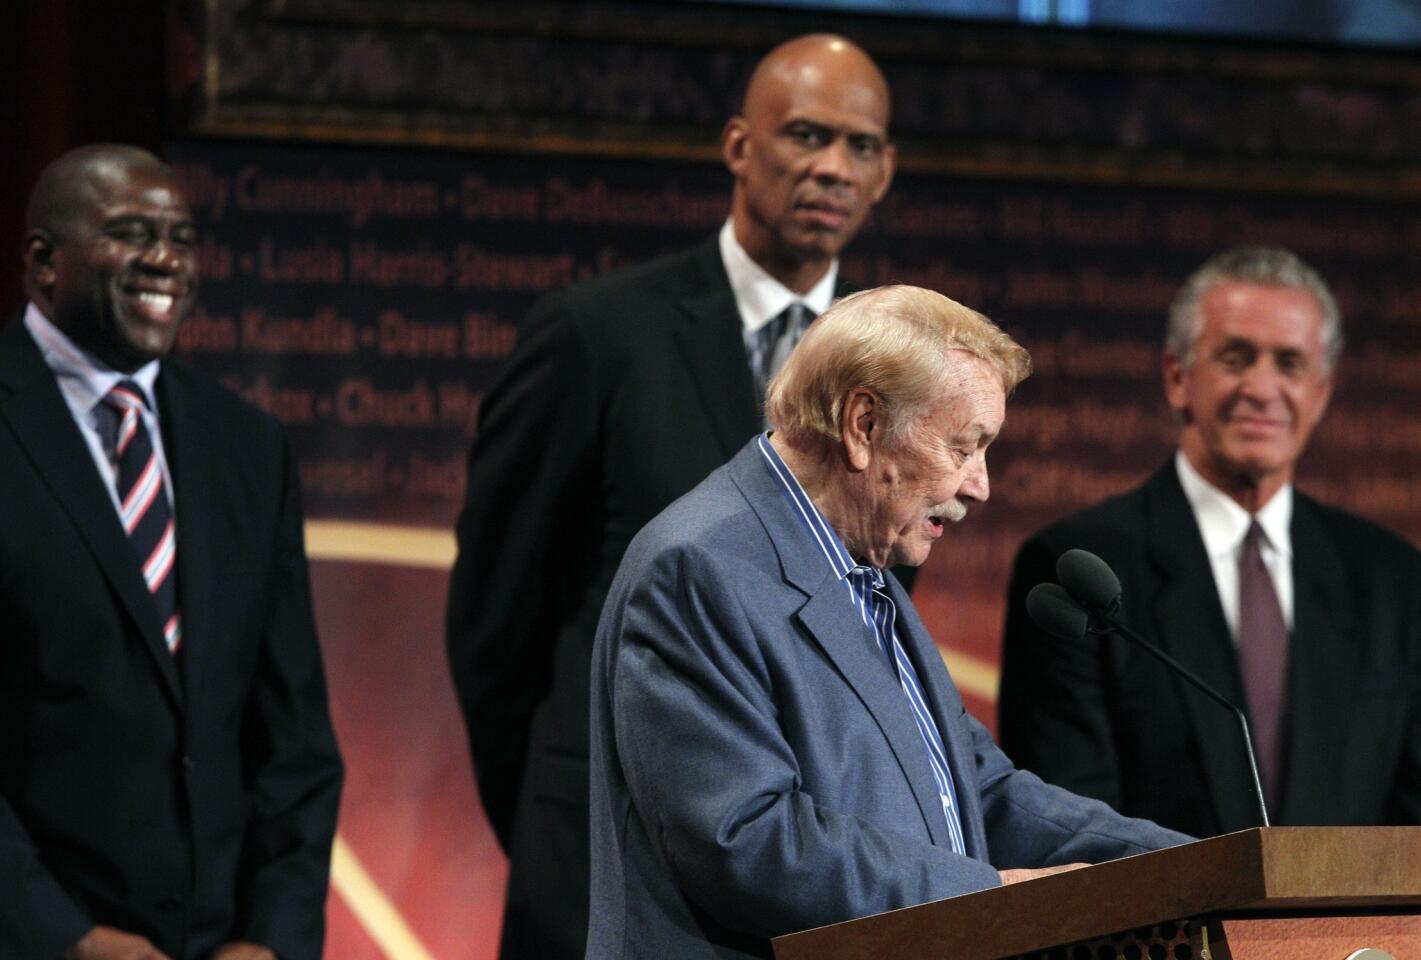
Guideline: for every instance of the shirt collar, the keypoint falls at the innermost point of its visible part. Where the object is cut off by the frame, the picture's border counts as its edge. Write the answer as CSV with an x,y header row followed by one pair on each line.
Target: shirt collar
x,y
759,296
1223,523
812,522
82,375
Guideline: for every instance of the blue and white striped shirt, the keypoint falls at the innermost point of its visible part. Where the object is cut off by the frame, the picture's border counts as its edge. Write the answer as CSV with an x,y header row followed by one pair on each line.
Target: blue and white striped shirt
x,y
869,596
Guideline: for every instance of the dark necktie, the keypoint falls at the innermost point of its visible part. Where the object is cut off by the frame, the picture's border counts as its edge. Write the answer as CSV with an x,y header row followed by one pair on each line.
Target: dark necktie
x,y
144,510
775,340
1263,655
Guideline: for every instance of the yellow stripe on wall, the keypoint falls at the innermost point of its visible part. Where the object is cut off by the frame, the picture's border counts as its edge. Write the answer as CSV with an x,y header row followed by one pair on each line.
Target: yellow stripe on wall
x,y
425,547
432,548
372,909
420,547
974,676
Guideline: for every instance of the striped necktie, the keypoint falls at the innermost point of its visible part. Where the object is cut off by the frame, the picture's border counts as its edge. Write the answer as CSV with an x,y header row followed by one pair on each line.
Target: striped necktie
x,y
773,342
144,510
880,615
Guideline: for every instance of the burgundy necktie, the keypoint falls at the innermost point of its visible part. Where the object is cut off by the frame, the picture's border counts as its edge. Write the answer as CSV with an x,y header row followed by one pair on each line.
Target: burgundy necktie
x,y
144,510
1263,655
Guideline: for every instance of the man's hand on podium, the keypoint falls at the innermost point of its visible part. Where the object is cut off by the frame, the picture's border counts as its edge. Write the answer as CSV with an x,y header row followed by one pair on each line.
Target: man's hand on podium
x,y
1016,876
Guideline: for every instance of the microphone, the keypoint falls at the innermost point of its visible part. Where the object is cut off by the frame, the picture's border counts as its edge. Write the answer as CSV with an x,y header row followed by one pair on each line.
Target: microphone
x,y
1090,580
1089,601
1052,609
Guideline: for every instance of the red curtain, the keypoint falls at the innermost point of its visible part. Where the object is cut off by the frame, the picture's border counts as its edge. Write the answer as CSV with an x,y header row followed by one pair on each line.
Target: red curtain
x,y
74,72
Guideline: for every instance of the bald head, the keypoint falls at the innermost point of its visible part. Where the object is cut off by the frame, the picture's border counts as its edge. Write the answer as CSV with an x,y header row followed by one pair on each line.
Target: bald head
x,y
810,155
110,253
813,59
69,185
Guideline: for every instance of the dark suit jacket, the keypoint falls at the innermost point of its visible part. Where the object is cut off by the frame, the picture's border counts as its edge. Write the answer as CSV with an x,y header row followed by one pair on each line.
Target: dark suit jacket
x,y
756,768
1105,719
622,394
191,799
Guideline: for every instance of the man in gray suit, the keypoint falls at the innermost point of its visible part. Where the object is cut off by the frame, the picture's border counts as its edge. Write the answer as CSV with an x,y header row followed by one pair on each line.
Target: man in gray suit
x,y
776,744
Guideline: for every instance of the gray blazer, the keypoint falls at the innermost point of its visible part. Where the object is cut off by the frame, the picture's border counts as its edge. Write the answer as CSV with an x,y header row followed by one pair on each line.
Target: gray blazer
x,y
756,769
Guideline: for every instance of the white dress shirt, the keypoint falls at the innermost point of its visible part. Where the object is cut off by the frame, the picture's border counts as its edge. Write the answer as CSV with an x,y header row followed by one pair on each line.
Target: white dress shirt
x,y
760,297
1224,524
85,380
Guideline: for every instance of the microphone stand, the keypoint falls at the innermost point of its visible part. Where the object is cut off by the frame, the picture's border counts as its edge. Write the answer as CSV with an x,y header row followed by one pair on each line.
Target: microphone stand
x,y
1104,621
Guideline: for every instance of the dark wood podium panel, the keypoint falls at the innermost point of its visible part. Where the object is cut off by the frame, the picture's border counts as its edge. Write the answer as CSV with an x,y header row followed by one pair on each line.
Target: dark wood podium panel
x,y
1286,872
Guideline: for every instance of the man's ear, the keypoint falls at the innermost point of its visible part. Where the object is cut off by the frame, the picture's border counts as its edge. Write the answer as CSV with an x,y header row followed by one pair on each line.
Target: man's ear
x,y
1328,382
1172,372
735,144
859,426
38,253
890,164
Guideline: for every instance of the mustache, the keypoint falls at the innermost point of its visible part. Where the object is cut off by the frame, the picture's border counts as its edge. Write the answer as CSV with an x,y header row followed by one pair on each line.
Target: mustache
x,y
954,510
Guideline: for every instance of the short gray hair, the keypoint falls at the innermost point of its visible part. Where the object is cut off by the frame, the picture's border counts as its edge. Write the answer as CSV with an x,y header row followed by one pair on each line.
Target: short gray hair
x,y
1273,266
894,341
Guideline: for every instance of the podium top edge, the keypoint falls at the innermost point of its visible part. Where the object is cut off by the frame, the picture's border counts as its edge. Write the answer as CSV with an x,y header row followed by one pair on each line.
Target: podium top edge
x,y
1263,869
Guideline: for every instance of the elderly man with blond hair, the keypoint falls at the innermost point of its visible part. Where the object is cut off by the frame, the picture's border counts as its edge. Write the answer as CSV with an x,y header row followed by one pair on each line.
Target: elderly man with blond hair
x,y
776,744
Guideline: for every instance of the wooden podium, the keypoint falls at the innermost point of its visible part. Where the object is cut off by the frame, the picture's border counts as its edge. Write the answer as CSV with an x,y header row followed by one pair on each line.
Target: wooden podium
x,y
1275,893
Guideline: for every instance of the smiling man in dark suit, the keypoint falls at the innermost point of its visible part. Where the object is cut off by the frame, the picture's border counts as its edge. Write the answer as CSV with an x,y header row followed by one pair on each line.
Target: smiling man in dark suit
x,y
621,395
168,773
1306,616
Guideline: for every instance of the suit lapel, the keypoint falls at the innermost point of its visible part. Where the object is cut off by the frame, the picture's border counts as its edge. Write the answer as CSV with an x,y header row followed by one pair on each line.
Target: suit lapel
x,y
40,419
830,618
197,480
943,699
1190,624
1322,667
709,338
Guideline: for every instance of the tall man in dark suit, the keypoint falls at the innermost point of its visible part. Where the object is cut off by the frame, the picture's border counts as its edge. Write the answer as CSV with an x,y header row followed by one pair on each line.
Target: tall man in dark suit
x,y
776,742
1306,616
168,773
622,394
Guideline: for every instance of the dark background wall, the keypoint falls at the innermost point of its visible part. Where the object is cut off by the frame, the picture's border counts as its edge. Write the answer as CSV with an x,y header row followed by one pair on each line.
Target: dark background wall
x,y
74,71
384,187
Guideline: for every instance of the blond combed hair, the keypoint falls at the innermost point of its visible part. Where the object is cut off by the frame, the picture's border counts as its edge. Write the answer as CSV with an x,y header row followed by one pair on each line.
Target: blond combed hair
x,y
894,341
